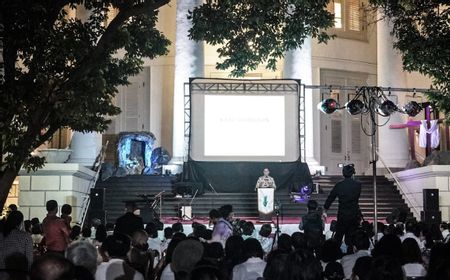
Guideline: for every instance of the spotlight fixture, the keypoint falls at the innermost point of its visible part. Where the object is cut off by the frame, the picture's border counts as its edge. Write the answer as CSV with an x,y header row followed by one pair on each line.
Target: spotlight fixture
x,y
412,108
354,106
387,108
328,106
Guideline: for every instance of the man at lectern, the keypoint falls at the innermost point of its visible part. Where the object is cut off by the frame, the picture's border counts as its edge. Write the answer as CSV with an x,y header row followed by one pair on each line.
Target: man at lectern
x,y
265,187
265,181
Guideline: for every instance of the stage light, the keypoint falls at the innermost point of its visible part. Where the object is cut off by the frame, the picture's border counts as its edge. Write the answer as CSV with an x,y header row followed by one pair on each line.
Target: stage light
x,y
328,106
387,108
412,108
354,107
302,193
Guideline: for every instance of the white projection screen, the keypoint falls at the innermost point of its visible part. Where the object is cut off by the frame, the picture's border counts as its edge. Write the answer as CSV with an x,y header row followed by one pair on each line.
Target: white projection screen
x,y
244,120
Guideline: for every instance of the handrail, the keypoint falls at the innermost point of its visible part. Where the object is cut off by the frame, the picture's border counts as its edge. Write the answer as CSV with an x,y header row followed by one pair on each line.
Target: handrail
x,y
400,187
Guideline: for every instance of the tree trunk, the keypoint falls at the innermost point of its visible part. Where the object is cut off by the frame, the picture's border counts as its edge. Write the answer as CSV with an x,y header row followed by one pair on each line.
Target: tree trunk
x,y
6,180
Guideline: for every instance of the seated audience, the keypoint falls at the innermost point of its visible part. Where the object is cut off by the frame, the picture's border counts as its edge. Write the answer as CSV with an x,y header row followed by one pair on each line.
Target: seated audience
x,y
386,268
254,265
168,233
360,242
117,247
177,227
275,266
333,271
234,254
302,264
75,233
83,254
330,252
185,256
389,245
16,247
265,239
361,270
140,258
284,243
154,243
299,241
86,234
248,228
412,259
411,231
52,267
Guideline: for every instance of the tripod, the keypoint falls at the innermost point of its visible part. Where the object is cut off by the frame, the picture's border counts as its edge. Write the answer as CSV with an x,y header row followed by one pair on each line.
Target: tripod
x,y
277,207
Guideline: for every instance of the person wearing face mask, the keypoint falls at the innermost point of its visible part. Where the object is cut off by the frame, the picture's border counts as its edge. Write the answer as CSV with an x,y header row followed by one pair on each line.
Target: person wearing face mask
x,y
130,222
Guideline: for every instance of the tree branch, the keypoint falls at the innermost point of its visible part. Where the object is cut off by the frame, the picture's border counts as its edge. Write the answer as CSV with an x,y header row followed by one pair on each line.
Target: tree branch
x,y
108,37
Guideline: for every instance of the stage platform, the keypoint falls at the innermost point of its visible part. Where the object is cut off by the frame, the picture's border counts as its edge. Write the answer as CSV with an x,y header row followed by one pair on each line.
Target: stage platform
x,y
117,190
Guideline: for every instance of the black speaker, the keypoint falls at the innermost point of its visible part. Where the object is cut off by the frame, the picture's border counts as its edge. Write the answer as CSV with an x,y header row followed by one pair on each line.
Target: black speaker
x,y
431,217
431,199
97,214
97,199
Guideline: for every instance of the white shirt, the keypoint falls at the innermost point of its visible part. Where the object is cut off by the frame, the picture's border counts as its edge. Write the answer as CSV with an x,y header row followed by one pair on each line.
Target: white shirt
x,y
167,273
411,235
113,269
266,243
154,244
414,270
348,262
445,232
249,270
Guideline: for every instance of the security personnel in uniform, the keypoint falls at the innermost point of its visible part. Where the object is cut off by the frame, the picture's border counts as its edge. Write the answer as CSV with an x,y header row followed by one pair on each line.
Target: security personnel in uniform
x,y
349,214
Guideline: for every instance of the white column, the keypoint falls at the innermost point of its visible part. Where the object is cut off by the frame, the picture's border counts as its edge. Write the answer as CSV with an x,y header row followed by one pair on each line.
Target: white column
x,y
298,65
392,143
188,64
85,148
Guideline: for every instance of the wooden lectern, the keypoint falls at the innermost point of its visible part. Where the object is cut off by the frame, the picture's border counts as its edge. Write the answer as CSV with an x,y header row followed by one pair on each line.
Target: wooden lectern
x,y
265,204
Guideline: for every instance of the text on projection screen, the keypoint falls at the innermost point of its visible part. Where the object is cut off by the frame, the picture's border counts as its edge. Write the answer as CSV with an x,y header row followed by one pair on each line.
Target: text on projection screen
x,y
244,126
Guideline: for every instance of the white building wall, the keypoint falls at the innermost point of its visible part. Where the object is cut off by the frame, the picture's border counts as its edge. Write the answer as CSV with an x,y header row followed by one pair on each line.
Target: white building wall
x,y
64,182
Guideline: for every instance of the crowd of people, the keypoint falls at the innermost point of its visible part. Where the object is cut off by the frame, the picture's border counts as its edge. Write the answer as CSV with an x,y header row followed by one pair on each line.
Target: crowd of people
x,y
226,249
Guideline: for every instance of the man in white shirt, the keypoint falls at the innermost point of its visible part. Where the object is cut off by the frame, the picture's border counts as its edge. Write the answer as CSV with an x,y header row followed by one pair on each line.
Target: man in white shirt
x,y
254,266
361,244
116,247
410,228
265,181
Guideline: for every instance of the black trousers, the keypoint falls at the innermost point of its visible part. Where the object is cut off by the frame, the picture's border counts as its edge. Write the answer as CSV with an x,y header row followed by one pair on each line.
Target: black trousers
x,y
345,227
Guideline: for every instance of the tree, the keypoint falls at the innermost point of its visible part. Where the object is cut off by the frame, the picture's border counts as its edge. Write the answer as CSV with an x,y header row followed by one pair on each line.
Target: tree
x,y
421,30
62,72
254,32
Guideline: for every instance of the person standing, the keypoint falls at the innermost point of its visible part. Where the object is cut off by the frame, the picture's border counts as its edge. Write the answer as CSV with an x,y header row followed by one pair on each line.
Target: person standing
x,y
129,222
55,231
265,181
223,228
348,192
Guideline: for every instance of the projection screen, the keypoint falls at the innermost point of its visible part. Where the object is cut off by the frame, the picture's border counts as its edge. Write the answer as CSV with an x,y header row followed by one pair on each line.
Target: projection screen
x,y
244,120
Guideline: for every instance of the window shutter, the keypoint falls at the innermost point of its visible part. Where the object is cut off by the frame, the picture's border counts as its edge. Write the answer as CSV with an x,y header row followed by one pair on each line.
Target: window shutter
x,y
131,107
336,135
356,136
354,15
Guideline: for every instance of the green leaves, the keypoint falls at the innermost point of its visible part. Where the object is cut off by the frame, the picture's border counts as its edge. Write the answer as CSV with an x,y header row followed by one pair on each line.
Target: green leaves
x,y
254,32
422,32
64,72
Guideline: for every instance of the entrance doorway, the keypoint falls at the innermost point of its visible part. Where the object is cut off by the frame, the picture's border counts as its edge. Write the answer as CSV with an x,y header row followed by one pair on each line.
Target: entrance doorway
x,y
343,140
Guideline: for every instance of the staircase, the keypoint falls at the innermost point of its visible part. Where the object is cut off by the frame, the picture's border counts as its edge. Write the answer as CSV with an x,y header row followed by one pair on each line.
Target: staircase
x,y
119,190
